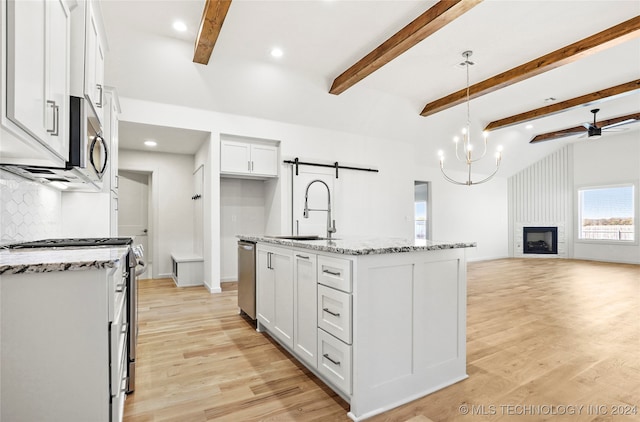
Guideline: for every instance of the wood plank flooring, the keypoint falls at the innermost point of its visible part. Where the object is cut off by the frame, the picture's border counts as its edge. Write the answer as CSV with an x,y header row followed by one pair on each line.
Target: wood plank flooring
x,y
545,337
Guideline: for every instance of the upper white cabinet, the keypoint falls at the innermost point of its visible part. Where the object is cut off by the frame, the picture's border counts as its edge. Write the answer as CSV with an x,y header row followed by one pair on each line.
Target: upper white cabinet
x,y
94,59
110,134
248,159
35,81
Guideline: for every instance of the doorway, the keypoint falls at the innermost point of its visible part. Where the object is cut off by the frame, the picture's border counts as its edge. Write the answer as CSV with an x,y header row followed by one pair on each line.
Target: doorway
x,y
422,212
133,211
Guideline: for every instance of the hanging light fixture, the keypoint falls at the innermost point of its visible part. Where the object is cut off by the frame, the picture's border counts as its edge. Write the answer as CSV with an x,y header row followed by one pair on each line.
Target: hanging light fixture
x,y
467,147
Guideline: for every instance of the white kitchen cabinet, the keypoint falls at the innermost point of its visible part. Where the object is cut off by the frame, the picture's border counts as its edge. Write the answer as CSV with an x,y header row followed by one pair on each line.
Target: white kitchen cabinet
x,y
274,297
248,159
305,321
335,361
35,70
390,326
64,342
110,134
94,59
334,312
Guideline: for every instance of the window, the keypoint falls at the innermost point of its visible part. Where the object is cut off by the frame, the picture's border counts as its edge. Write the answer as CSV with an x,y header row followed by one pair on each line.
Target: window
x,y
607,213
421,212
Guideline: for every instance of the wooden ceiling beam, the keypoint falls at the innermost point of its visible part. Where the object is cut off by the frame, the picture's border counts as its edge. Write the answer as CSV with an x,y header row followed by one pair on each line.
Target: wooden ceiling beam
x,y
584,100
210,26
603,124
601,41
439,15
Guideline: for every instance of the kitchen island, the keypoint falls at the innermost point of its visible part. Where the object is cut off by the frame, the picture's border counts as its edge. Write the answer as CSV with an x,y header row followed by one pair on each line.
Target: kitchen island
x,y
381,321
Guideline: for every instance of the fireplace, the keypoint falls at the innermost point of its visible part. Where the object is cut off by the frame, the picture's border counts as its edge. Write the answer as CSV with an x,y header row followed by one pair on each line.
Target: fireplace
x,y
540,240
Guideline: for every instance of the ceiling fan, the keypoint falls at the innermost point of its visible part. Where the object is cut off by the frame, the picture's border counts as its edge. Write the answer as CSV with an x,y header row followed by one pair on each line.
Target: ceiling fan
x,y
593,130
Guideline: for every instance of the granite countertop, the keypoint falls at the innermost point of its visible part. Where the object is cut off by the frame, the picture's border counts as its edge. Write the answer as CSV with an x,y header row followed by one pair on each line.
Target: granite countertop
x,y
59,259
361,245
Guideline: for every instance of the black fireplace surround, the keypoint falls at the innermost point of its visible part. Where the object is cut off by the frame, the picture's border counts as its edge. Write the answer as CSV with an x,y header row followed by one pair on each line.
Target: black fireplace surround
x,y
540,240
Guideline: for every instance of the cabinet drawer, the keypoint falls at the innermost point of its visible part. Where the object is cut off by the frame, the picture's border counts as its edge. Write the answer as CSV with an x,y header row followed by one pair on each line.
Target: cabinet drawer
x,y
118,342
118,287
334,361
334,312
334,272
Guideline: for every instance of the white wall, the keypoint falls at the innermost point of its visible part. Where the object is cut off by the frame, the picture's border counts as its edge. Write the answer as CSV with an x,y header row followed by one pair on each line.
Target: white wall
x,y
374,204
171,207
242,211
612,159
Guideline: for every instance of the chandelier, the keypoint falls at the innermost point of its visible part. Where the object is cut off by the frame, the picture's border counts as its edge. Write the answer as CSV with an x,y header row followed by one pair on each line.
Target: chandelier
x,y
467,147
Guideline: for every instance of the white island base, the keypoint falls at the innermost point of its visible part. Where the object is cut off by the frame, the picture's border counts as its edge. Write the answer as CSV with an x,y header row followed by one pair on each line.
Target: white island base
x,y
391,327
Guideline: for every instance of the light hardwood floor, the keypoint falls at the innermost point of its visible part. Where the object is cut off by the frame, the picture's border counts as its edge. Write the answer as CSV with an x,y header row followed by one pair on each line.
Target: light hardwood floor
x,y
545,336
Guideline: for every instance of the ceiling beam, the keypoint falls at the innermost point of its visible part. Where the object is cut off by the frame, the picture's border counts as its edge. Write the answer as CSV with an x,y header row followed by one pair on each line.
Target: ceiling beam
x,y
601,41
439,15
210,26
582,101
581,129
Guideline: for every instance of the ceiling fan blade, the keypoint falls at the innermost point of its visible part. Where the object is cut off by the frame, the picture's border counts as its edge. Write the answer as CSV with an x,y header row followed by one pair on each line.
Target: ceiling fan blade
x,y
614,129
587,125
619,121
578,130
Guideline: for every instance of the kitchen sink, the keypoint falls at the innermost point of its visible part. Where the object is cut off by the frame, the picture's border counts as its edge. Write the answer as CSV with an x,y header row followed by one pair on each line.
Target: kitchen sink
x,y
301,237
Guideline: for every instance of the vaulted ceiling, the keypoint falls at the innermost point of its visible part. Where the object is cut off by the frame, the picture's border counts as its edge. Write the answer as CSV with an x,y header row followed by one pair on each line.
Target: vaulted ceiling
x,y
316,83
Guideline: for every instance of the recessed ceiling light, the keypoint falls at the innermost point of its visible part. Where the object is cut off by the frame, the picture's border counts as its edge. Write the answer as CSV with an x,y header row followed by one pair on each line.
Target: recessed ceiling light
x,y
277,52
179,26
529,126
150,143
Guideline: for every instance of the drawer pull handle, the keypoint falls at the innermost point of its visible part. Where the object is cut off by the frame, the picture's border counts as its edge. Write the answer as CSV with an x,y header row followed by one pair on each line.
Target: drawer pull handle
x,y
302,256
331,272
123,388
335,314
120,287
326,355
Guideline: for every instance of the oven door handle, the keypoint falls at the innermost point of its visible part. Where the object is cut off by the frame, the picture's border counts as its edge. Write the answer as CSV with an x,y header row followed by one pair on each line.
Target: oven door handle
x,y
141,267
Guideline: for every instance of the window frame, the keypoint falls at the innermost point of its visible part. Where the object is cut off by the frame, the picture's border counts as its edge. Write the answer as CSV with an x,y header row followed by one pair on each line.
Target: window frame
x,y
578,214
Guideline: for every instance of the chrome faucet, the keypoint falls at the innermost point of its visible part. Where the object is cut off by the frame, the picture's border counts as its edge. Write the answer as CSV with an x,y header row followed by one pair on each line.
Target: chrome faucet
x,y
331,224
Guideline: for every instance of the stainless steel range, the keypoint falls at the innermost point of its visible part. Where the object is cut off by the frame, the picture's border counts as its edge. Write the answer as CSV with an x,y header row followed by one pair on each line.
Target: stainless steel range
x,y
135,266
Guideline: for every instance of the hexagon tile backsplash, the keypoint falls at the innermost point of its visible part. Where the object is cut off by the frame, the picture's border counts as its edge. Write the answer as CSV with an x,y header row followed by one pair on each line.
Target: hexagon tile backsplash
x,y
28,210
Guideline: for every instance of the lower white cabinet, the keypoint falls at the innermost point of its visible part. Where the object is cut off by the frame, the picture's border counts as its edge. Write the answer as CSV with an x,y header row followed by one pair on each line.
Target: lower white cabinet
x,y
274,292
335,361
334,312
64,340
389,328
305,321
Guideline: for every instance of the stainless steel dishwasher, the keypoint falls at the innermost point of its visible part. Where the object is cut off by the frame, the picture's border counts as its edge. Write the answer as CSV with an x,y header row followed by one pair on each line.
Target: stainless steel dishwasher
x,y
247,277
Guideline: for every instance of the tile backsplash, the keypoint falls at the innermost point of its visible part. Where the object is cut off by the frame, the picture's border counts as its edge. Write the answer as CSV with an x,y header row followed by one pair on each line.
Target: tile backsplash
x,y
28,210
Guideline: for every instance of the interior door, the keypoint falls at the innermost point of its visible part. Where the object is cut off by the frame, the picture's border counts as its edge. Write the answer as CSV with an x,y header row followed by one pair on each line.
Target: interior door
x,y
133,209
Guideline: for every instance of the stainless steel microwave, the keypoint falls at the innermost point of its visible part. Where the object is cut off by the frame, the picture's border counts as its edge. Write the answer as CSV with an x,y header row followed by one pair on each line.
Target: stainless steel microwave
x,y
88,153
